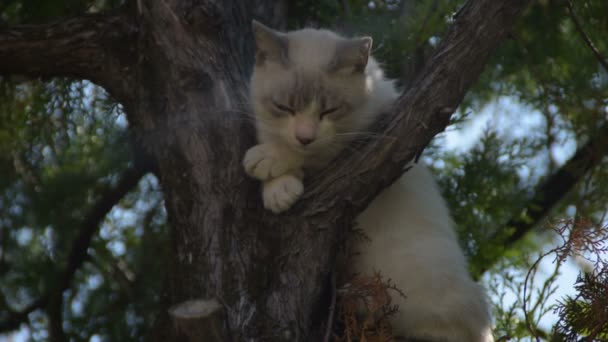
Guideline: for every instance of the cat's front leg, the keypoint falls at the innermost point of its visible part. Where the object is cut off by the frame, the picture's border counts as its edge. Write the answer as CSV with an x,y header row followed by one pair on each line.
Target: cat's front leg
x,y
268,161
280,193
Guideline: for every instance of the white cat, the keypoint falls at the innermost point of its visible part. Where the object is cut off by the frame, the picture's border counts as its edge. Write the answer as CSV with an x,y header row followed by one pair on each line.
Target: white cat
x,y
312,92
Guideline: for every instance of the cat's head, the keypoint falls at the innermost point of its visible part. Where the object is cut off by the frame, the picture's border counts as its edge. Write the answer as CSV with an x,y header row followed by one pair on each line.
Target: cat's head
x,y
309,87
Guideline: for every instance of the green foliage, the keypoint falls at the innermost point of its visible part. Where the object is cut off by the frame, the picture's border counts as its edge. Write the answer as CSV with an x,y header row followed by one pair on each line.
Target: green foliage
x,y
586,315
63,142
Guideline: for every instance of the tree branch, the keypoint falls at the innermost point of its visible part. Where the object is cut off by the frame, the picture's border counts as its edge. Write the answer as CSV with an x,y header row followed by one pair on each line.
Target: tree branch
x,y
54,313
90,225
77,256
585,37
94,47
548,194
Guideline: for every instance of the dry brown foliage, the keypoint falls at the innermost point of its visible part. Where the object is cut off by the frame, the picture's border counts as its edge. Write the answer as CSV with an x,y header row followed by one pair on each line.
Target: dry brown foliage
x,y
364,306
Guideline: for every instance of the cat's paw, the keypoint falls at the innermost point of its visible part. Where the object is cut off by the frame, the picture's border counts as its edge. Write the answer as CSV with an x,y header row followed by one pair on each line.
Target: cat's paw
x,y
263,163
281,193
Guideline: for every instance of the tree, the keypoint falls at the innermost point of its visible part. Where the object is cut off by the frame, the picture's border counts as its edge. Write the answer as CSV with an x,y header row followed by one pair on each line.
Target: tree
x,y
179,71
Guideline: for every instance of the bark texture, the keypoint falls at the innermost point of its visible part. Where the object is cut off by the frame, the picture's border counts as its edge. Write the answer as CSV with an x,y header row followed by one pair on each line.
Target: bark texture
x,y
184,89
95,47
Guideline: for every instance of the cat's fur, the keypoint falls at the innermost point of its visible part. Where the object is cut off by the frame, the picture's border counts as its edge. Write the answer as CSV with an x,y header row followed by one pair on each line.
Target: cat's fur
x,y
312,92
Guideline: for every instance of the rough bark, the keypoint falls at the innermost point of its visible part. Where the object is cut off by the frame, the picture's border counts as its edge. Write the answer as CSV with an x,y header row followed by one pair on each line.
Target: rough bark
x,y
187,105
96,47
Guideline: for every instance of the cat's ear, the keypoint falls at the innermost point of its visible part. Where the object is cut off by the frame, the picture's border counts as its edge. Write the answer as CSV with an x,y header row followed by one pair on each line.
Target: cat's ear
x,y
271,45
352,55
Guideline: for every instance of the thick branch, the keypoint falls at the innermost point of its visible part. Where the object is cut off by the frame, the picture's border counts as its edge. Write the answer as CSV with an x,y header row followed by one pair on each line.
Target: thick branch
x,y
95,47
54,313
78,253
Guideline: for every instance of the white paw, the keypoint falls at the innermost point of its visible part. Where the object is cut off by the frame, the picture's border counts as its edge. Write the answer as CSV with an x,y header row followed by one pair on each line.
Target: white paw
x,y
262,162
281,193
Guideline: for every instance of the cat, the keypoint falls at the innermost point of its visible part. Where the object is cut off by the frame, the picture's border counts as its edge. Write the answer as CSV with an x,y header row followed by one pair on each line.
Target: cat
x,y
313,92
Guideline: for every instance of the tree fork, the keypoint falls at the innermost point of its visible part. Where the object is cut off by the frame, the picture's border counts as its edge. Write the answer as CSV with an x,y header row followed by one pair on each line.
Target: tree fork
x,y
185,97
271,272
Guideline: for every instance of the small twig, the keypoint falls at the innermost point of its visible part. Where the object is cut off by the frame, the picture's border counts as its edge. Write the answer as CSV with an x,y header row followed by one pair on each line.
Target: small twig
x,y
527,312
585,37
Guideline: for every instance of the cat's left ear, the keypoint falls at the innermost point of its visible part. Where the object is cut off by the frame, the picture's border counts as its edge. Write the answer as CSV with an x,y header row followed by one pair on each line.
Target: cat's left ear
x,y
270,44
352,55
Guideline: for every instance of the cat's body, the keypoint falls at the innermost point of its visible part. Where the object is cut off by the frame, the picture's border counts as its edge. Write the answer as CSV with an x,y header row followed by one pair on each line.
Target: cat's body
x,y
313,92
412,242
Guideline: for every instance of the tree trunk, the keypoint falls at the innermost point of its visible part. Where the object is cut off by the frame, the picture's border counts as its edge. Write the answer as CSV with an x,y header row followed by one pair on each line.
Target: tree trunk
x,y
185,93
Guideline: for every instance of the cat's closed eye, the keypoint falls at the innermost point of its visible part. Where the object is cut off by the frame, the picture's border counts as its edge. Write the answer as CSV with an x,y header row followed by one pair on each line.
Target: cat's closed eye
x,y
328,111
283,108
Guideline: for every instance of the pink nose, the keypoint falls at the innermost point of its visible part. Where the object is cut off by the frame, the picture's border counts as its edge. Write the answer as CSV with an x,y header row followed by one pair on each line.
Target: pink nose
x,y
305,141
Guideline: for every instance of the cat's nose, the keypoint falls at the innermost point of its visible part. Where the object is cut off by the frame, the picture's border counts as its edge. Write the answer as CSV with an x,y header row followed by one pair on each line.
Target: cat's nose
x,y
305,141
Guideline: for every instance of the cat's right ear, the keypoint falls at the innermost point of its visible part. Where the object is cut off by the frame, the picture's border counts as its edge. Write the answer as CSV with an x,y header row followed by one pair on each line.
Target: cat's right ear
x,y
351,55
271,45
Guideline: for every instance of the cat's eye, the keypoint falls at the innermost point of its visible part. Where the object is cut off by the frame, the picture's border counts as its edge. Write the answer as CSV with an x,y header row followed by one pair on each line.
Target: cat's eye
x,y
284,108
328,111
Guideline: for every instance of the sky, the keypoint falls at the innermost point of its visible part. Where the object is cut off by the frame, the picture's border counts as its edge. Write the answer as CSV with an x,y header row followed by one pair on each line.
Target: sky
x,y
512,119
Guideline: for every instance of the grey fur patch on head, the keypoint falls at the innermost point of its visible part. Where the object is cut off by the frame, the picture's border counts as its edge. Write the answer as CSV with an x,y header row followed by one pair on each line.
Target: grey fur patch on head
x,y
305,88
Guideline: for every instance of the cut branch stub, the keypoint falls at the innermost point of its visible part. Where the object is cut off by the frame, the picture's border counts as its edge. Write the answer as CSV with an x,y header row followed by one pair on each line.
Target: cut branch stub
x,y
199,320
